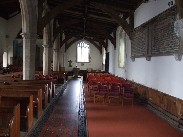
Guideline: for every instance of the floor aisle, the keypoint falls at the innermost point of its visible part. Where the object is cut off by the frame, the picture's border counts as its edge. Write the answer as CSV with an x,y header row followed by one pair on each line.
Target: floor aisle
x,y
116,121
63,122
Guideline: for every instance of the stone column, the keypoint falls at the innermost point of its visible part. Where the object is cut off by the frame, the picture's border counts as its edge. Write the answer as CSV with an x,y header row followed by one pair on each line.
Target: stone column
x,y
5,54
46,51
46,60
55,54
55,59
29,50
5,59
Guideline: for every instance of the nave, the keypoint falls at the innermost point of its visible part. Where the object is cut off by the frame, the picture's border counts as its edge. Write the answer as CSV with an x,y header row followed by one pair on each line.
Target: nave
x,y
103,120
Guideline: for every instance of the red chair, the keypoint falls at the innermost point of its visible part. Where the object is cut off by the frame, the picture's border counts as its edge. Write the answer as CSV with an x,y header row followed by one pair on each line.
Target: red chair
x,y
127,95
102,94
114,93
93,87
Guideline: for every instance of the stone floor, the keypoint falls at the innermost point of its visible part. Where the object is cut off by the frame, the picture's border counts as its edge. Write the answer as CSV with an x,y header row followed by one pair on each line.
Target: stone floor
x,y
61,117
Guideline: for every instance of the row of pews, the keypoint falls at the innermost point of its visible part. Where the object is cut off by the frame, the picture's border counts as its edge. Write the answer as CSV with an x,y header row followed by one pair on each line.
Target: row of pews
x,y
21,102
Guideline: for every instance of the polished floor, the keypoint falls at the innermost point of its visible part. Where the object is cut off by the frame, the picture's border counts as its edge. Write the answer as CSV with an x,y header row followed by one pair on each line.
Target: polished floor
x,y
63,122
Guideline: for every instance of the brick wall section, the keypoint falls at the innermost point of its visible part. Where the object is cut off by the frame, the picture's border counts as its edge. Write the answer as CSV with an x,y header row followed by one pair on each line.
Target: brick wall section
x,y
159,39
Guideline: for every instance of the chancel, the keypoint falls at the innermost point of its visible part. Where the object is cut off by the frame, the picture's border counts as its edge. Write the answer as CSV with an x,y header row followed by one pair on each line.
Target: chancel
x,y
76,72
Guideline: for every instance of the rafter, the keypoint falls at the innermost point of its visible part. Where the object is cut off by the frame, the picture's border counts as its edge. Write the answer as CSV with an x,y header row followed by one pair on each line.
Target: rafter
x,y
70,43
59,29
55,12
114,15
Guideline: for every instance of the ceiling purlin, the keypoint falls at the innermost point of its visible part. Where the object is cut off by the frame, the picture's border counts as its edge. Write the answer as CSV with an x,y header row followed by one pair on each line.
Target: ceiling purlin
x,y
7,2
100,29
121,6
75,33
123,23
54,3
101,18
62,26
98,26
87,14
55,12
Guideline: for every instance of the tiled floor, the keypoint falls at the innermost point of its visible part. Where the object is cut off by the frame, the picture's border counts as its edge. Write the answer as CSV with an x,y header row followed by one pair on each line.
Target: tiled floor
x,y
63,122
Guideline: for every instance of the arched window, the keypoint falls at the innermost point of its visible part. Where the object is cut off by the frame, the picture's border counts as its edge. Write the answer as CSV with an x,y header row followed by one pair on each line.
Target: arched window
x,y
121,50
83,52
104,55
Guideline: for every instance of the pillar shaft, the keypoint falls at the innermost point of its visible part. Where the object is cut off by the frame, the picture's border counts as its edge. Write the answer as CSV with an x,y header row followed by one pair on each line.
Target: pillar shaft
x,y
55,60
46,60
29,47
55,54
47,51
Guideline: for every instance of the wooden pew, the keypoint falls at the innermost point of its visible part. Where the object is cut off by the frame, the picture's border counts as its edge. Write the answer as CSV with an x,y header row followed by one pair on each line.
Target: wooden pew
x,y
49,82
26,108
28,87
10,121
48,85
37,97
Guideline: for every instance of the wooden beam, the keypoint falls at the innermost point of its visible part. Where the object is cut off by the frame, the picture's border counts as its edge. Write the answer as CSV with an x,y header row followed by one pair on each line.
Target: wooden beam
x,y
112,40
70,43
123,23
114,35
94,37
95,44
59,29
56,11
131,21
65,40
179,4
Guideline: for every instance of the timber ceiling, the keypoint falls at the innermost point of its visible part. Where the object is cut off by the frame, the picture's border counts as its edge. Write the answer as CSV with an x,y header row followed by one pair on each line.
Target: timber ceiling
x,y
91,19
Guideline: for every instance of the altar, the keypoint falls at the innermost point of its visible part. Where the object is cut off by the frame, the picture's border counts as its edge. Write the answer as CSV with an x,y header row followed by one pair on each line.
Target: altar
x,y
76,72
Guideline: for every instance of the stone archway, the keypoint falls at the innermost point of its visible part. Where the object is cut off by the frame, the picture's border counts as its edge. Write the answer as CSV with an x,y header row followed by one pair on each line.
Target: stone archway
x,y
29,33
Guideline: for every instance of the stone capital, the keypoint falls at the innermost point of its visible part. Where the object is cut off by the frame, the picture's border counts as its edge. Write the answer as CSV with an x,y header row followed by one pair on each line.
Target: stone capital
x,y
29,35
46,46
55,50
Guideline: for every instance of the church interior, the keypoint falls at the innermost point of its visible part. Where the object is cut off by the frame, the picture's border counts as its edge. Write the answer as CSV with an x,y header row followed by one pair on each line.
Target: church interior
x,y
91,68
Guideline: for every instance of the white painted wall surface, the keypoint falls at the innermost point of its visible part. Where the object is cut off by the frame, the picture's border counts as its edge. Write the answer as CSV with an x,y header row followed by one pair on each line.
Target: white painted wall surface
x,y
147,11
111,57
3,33
14,27
96,58
161,73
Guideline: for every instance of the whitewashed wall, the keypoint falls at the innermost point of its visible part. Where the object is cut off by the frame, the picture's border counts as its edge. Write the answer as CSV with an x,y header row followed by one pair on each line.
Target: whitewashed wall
x,y
14,26
111,57
96,58
3,33
162,73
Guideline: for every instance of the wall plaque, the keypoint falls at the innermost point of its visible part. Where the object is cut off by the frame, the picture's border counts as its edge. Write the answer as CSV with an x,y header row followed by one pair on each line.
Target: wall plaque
x,y
157,36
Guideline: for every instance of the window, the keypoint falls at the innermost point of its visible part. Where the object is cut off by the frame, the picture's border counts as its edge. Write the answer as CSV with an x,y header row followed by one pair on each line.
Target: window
x,y
121,50
104,55
83,52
